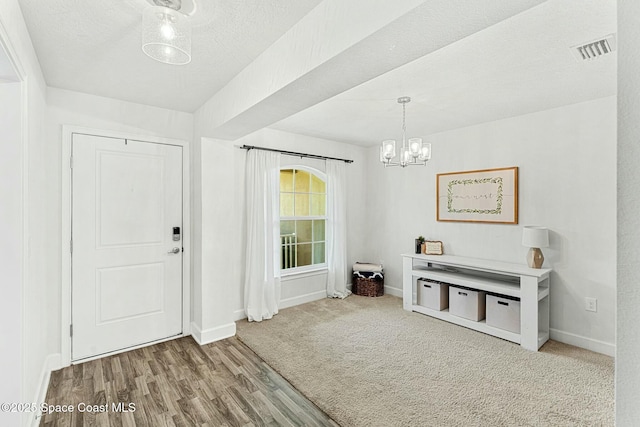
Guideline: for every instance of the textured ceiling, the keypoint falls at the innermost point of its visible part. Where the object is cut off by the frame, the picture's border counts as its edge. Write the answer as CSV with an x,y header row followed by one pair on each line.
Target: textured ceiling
x,y
518,66
94,47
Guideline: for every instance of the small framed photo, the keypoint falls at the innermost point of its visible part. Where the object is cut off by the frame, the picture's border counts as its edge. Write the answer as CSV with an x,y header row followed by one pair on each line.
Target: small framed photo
x,y
433,247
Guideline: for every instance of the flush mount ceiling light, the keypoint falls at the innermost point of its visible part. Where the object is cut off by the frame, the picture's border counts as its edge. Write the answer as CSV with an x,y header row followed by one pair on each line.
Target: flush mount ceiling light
x,y
413,151
166,33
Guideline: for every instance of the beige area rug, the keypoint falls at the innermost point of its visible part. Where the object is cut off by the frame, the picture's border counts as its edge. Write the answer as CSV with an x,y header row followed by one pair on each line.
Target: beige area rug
x,y
367,362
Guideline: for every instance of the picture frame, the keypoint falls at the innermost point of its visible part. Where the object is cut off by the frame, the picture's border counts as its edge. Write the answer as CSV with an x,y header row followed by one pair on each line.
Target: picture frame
x,y
486,195
433,247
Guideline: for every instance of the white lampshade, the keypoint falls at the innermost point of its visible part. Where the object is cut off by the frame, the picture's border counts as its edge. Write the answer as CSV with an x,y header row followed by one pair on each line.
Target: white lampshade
x,y
388,149
166,35
425,152
415,146
405,154
535,237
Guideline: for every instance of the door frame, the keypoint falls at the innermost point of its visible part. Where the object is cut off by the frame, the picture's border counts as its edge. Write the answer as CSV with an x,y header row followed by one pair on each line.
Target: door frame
x,y
66,206
19,324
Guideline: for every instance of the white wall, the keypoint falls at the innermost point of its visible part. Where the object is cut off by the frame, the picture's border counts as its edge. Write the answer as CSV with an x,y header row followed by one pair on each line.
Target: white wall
x,y
67,107
567,173
628,323
11,252
223,260
78,109
31,349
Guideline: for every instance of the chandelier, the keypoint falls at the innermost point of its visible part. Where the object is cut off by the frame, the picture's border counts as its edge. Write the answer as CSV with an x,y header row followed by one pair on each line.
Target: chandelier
x,y
413,151
166,33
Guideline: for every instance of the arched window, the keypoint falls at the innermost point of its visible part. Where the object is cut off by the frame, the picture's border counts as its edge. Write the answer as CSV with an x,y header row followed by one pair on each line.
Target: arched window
x,y
303,216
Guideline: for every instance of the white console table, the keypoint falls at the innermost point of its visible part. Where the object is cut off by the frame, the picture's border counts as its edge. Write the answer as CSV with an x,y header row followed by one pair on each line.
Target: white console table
x,y
529,284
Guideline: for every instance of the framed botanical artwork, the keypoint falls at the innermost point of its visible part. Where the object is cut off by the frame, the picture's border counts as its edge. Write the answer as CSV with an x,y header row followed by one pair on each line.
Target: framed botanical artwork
x,y
489,195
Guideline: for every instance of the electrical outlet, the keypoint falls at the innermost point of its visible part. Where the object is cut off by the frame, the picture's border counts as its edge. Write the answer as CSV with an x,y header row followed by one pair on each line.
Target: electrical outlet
x,y
590,304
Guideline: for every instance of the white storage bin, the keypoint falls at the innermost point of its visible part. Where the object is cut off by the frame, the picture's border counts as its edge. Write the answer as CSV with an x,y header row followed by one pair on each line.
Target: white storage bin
x,y
503,313
432,294
467,303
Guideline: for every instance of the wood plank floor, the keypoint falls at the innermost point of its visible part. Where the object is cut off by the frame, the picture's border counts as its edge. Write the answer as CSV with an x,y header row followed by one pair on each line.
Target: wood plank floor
x,y
179,383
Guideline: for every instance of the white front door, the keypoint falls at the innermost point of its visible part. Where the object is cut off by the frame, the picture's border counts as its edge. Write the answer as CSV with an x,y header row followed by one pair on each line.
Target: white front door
x,y
126,254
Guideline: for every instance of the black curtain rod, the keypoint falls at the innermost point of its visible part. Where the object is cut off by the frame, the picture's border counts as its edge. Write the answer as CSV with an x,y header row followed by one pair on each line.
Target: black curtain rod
x,y
293,153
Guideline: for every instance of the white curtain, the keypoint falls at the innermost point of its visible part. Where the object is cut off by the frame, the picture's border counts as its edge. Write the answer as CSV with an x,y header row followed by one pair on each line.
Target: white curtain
x,y
336,236
262,275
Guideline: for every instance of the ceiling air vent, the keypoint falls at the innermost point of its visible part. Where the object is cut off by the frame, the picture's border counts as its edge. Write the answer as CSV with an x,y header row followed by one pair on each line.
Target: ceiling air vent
x,y
595,49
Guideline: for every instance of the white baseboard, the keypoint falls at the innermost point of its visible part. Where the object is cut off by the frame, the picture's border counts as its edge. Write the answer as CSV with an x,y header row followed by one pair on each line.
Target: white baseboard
x,y
302,299
289,302
53,362
393,291
583,342
212,334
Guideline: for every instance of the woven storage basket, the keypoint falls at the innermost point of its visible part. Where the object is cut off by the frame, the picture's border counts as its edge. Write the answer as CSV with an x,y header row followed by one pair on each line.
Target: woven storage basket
x,y
367,287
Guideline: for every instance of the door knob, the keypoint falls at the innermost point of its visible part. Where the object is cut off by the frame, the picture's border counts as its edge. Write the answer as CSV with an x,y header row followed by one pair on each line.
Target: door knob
x,y
174,251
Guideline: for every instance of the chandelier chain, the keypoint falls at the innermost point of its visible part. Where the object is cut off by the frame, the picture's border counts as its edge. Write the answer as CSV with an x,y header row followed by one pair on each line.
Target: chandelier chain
x,y
404,121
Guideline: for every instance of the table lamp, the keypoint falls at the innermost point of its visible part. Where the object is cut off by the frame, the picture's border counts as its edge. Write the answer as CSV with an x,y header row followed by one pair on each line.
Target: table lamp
x,y
535,238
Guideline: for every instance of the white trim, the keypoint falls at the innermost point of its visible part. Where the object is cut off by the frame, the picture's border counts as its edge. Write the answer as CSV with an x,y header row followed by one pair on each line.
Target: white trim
x,y
286,303
309,169
26,239
302,299
293,275
388,290
67,132
51,363
299,272
25,81
583,342
124,350
213,334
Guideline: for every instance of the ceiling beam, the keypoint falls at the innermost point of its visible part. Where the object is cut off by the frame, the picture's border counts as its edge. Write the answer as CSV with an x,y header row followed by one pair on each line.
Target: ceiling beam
x,y
336,47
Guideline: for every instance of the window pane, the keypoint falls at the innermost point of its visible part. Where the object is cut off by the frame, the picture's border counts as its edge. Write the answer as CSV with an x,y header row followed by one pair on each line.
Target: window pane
x,y
317,185
302,241
304,254
287,227
318,204
303,231
302,181
286,204
318,253
286,180
318,230
302,205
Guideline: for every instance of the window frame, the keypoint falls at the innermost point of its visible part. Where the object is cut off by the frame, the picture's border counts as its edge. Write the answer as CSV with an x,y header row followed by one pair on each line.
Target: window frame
x,y
311,267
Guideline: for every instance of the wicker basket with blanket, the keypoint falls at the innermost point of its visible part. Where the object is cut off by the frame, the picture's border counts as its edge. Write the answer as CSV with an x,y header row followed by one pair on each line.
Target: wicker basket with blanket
x,y
367,280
